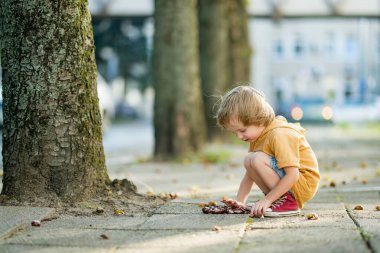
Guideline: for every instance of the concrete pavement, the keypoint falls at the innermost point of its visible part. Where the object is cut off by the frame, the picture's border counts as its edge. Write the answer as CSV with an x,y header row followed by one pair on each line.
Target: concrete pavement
x,y
350,177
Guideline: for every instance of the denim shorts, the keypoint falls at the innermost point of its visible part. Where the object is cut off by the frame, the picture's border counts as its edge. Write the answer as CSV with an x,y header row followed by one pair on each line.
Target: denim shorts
x,y
280,172
273,165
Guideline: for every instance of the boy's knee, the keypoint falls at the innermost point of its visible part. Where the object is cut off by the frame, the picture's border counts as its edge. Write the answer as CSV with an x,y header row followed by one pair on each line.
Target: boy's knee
x,y
254,160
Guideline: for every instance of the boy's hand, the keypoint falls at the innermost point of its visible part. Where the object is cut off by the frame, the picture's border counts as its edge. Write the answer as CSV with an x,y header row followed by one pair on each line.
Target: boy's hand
x,y
258,209
233,203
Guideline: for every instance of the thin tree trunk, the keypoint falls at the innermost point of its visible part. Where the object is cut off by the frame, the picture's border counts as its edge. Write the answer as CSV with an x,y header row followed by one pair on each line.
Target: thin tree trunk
x,y
240,50
178,120
52,137
213,43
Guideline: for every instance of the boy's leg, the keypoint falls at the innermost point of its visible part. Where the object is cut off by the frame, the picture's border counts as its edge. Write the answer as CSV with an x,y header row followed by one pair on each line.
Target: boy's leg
x,y
264,171
258,166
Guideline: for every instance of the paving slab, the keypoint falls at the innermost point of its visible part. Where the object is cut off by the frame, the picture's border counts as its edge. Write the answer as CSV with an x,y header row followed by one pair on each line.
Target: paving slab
x,y
371,231
196,221
325,195
10,248
97,222
220,248
122,238
315,206
361,197
224,241
327,218
179,208
15,217
307,239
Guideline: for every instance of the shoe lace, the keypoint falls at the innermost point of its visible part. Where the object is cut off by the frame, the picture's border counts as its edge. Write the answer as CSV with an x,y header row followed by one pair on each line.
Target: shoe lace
x,y
279,201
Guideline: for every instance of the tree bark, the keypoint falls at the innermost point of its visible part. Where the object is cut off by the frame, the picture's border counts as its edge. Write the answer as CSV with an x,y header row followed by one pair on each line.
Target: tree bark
x,y
240,50
178,110
52,137
214,48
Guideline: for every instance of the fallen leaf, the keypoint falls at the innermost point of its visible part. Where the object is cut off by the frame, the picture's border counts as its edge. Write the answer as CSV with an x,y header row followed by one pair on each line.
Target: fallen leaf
x,y
104,237
312,216
212,203
216,228
119,211
167,196
363,165
150,193
358,207
332,184
202,204
377,208
100,209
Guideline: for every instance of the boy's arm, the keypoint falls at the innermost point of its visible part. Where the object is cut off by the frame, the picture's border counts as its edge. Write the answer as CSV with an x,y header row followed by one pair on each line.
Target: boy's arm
x,y
245,188
290,178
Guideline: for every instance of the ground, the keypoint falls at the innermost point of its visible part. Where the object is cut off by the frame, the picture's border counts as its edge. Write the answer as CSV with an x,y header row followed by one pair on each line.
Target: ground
x,y
349,165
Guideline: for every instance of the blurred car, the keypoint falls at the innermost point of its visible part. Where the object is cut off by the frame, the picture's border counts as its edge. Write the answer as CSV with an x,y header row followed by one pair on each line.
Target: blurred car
x,y
126,111
307,110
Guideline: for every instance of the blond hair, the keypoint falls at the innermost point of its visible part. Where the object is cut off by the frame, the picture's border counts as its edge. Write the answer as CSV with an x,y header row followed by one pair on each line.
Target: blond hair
x,y
247,104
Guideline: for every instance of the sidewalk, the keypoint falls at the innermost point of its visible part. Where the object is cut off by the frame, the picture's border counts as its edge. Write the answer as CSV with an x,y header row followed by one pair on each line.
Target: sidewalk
x,y
349,161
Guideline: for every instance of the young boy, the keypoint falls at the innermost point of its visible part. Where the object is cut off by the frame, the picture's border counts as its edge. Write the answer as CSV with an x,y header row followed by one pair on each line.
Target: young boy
x,y
280,160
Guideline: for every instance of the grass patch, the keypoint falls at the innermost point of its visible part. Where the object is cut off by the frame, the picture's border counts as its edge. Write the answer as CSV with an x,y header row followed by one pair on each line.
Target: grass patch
x,y
215,157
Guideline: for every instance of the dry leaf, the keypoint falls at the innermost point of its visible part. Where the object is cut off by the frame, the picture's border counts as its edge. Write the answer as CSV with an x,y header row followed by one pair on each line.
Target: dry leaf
x,y
332,184
216,228
312,216
119,211
100,209
363,164
377,208
212,203
202,204
167,196
358,207
150,193
104,237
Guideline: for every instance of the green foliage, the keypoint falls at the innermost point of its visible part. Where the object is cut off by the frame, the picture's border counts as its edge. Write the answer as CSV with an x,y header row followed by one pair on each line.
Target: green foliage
x,y
215,157
344,125
375,126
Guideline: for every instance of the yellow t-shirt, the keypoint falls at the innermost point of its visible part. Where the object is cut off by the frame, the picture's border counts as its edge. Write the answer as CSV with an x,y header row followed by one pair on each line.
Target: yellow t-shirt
x,y
287,143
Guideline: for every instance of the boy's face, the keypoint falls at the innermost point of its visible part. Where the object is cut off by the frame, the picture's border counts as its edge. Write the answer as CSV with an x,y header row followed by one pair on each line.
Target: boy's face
x,y
244,133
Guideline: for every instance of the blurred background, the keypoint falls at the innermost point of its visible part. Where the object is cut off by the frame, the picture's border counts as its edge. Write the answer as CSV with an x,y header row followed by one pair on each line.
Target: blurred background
x,y
317,61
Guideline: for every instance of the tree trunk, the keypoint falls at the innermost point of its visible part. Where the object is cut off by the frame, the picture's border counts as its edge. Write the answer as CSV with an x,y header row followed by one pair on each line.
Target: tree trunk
x,y
213,44
178,120
239,46
52,137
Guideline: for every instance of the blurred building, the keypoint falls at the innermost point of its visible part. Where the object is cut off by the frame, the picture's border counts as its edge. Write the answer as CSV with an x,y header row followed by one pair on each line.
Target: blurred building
x,y
326,51
322,50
